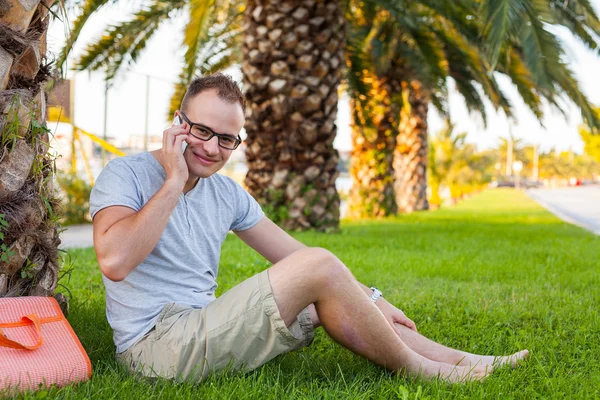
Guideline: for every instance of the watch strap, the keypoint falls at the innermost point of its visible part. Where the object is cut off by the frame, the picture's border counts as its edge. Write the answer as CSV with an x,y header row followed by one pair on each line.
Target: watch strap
x,y
376,294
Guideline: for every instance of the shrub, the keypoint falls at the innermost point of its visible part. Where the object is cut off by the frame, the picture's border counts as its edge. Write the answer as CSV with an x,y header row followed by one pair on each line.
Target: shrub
x,y
76,200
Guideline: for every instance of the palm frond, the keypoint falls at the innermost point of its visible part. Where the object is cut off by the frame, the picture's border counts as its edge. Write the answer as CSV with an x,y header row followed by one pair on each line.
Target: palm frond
x,y
563,77
521,77
123,43
416,61
580,18
218,47
432,51
500,20
195,33
466,61
472,97
461,14
223,45
358,43
177,97
88,8
226,61
541,49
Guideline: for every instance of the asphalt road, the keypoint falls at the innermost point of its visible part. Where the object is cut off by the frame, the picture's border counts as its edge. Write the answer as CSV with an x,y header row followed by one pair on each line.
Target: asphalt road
x,y
77,236
576,205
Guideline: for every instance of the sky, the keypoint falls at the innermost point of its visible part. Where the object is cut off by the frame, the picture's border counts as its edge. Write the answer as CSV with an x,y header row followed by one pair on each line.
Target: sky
x,y
158,67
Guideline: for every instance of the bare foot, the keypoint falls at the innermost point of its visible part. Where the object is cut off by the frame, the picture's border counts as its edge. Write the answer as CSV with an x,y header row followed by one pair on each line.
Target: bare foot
x,y
494,362
450,373
458,374
513,360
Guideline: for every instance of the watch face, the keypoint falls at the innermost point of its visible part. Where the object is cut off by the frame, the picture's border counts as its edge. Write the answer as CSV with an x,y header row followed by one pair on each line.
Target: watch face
x,y
376,294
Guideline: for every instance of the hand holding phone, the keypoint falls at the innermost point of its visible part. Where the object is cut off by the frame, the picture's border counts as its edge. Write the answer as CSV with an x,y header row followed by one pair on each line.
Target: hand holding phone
x,y
172,153
177,121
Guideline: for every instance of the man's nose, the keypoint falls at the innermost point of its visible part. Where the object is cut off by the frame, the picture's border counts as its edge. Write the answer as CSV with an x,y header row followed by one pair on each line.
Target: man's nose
x,y
211,147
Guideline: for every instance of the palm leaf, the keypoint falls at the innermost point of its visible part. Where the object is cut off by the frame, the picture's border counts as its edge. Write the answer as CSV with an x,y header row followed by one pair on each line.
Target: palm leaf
x,y
88,8
580,18
177,97
217,47
195,33
124,42
565,80
521,77
500,19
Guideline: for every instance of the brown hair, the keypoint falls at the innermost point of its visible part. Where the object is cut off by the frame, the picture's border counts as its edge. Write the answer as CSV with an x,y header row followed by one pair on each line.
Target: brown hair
x,y
227,89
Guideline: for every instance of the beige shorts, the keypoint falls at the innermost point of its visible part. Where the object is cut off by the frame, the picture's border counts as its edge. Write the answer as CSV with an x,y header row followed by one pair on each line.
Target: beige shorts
x,y
243,330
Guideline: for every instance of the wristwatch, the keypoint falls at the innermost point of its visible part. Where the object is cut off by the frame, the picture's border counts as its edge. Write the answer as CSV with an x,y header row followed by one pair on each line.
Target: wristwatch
x,y
376,294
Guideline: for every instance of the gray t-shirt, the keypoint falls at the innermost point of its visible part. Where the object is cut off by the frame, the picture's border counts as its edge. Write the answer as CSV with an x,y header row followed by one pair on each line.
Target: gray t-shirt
x,y
183,266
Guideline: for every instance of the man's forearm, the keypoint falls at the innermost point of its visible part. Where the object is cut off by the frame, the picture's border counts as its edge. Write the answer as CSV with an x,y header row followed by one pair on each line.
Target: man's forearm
x,y
125,244
381,302
369,292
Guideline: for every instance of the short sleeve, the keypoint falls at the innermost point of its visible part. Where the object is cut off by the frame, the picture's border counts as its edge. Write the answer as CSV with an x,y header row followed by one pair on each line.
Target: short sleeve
x,y
116,186
248,212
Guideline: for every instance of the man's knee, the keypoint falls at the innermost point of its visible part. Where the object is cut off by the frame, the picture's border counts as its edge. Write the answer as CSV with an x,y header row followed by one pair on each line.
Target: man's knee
x,y
324,265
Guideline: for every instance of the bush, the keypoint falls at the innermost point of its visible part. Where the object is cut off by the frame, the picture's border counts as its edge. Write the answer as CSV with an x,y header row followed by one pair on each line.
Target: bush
x,y
76,201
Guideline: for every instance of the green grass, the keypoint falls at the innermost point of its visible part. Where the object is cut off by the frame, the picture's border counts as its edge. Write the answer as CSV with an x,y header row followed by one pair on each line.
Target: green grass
x,y
494,274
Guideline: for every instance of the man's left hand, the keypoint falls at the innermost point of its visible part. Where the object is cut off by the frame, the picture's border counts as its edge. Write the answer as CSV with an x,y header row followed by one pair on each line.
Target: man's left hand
x,y
395,316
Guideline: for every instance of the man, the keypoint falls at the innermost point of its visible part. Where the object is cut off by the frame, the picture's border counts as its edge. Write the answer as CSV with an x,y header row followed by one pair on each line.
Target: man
x,y
160,219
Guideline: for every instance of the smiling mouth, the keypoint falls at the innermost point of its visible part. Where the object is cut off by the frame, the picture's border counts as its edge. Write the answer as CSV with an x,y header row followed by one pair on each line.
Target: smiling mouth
x,y
203,160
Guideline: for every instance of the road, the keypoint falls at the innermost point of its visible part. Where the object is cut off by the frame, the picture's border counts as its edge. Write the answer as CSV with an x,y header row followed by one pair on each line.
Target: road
x,y
576,205
77,236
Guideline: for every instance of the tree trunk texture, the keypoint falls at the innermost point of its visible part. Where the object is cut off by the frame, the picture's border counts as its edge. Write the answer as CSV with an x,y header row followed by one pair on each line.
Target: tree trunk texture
x,y
29,264
293,64
374,129
410,155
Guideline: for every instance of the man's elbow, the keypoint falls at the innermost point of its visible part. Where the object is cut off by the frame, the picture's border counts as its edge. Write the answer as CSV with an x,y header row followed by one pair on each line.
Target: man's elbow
x,y
112,269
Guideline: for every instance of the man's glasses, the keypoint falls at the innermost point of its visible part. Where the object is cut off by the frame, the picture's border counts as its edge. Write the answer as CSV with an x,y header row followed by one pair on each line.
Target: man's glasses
x,y
204,133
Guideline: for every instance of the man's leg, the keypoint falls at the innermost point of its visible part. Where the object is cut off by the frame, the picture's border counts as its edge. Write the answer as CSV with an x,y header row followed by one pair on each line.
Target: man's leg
x,y
437,352
348,315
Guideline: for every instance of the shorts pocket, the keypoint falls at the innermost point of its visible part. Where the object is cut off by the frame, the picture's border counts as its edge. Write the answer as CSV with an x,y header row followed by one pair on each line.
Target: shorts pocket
x,y
162,325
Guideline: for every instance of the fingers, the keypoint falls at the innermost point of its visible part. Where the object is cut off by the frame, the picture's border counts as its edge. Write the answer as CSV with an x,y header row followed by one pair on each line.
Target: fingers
x,y
409,323
179,139
398,332
413,326
406,322
170,137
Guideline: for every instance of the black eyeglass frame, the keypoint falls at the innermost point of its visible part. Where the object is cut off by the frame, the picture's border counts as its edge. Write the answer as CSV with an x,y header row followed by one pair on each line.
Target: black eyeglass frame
x,y
238,140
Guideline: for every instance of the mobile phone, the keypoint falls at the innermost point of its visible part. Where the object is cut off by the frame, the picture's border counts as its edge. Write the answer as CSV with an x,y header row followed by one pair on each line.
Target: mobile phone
x,y
177,121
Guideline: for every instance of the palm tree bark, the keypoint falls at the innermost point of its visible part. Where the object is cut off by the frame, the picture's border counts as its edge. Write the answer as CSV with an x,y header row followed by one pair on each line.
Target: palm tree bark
x,y
293,64
374,130
29,264
410,155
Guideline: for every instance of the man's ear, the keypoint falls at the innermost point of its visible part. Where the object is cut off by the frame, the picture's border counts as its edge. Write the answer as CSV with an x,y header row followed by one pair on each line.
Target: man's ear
x,y
177,120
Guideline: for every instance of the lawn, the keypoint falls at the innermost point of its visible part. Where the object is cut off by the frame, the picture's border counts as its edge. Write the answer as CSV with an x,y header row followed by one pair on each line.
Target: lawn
x,y
494,274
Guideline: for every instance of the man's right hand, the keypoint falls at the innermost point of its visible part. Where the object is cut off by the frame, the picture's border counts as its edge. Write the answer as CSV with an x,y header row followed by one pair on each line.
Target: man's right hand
x,y
123,237
172,158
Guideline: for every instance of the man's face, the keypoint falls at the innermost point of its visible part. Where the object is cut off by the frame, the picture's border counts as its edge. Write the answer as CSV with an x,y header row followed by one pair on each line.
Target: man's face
x,y
204,158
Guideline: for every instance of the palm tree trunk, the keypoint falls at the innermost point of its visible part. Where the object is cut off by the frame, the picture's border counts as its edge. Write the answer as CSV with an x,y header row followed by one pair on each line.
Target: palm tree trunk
x,y
410,155
374,129
28,226
293,64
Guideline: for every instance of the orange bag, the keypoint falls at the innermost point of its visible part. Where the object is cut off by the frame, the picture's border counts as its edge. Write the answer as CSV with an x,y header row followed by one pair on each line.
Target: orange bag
x,y
38,346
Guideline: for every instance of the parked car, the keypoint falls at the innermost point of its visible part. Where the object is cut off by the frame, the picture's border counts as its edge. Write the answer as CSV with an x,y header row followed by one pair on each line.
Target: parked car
x,y
523,183
498,184
532,184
